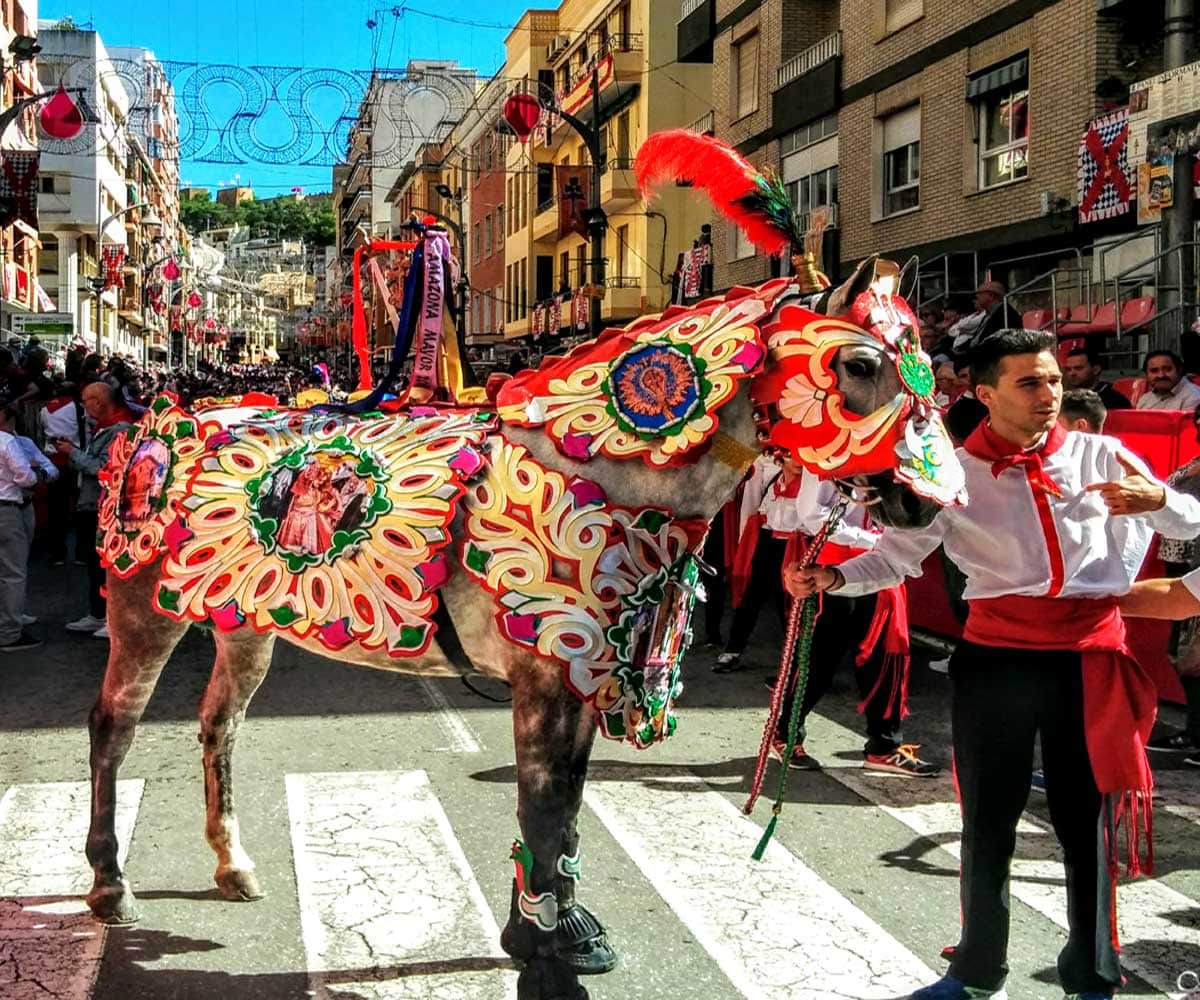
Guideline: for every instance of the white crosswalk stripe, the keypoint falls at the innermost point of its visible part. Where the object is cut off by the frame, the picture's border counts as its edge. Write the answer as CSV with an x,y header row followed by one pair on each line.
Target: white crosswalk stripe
x,y
49,945
391,907
384,885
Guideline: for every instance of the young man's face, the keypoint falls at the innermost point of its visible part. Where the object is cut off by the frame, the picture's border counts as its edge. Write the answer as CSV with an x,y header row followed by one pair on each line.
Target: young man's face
x,y
1027,394
1079,373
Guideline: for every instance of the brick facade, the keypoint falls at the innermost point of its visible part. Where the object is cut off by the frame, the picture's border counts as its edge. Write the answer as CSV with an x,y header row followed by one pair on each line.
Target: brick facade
x,y
486,270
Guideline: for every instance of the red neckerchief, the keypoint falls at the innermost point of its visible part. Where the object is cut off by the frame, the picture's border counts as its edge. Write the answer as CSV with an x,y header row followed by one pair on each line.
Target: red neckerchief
x,y
984,443
118,416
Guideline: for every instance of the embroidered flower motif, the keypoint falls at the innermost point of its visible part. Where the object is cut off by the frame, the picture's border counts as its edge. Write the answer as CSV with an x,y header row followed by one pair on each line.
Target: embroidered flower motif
x,y
803,402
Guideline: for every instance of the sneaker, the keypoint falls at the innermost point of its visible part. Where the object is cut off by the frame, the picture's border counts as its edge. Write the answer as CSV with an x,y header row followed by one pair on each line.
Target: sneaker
x,y
1177,742
101,633
21,643
87,623
902,761
940,666
949,988
1192,760
28,620
800,761
727,663
1037,781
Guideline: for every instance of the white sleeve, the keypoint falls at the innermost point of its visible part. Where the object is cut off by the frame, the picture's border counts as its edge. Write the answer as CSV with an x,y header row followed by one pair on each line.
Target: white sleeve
x,y
20,472
1179,517
897,555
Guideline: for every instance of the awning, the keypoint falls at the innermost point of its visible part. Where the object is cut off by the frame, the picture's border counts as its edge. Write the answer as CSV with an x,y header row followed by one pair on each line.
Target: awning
x,y
999,77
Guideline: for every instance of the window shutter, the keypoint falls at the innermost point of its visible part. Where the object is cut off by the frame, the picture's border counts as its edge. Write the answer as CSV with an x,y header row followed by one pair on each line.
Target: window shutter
x,y
902,128
747,75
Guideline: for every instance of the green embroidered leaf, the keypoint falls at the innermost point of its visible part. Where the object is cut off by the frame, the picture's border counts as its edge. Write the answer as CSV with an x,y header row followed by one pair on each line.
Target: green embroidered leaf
x,y
651,521
160,404
340,443
124,561
411,636
185,428
283,616
477,559
168,600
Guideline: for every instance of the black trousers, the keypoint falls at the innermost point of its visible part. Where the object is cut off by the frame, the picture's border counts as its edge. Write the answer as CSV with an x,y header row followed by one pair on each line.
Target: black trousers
x,y
836,636
1190,685
59,495
763,589
86,523
1000,700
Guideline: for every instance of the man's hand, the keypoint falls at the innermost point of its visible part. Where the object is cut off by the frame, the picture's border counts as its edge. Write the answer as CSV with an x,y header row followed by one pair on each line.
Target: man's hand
x,y
1135,494
801,583
63,446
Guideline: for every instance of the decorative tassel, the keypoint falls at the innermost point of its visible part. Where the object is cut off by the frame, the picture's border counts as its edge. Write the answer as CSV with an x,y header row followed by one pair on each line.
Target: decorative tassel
x,y
768,833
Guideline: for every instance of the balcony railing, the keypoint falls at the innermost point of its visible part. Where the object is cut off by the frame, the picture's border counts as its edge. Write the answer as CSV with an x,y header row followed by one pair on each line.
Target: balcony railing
x,y
706,124
621,42
690,7
829,47
802,218
623,281
545,206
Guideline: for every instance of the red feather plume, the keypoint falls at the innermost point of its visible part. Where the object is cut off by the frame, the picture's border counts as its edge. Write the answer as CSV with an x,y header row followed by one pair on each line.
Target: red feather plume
x,y
757,203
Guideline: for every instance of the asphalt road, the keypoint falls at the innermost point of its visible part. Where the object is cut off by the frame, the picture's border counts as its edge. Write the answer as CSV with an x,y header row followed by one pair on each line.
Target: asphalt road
x,y
380,809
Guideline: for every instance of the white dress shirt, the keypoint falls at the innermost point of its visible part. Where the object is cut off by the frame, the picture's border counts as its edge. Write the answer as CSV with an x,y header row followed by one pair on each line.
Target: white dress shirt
x,y
1000,542
1185,396
812,506
17,475
37,458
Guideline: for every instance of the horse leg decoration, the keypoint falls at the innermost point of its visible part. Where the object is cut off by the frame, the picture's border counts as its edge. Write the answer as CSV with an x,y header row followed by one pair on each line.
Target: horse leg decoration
x,y
558,537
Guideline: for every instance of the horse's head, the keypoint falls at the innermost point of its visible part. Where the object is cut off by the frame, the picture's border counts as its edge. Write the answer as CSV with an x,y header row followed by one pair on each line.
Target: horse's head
x,y
847,391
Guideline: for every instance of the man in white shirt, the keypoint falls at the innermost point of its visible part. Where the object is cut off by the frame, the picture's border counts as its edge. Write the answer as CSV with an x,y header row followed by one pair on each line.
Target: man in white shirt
x,y
18,476
1168,388
1056,529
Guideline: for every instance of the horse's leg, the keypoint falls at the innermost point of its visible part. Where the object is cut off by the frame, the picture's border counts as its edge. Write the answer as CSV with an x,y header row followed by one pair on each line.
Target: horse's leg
x,y
140,643
552,741
242,660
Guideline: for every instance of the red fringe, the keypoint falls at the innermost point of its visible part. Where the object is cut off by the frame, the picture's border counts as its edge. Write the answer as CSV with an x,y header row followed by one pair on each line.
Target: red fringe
x,y
714,167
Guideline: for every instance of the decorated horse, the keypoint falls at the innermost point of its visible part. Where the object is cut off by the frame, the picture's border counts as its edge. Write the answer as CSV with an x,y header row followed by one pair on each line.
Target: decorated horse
x,y
549,540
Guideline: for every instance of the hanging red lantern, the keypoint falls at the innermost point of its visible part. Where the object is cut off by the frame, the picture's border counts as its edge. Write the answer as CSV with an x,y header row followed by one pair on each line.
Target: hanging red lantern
x,y
171,270
522,112
60,116
194,300
210,324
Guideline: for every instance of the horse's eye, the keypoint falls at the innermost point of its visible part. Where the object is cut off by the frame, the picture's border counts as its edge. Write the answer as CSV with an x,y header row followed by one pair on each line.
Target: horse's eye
x,y
860,369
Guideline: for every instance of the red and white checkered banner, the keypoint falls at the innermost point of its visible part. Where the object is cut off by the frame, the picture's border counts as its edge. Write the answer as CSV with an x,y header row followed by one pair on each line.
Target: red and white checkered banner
x,y
114,262
1106,184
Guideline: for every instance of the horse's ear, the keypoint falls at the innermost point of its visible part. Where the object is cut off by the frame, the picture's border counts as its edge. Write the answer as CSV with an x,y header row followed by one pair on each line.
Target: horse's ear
x,y
853,287
908,273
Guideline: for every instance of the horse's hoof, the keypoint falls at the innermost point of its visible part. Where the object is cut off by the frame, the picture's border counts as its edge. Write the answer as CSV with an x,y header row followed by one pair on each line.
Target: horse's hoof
x,y
549,978
580,940
113,904
238,885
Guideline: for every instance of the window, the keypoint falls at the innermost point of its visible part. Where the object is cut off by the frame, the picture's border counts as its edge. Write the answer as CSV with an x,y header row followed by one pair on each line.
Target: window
x,y
1004,136
806,135
475,240
581,261
500,220
623,251
545,185
902,161
744,63
47,186
487,236
899,14
816,189
564,269
623,141
742,247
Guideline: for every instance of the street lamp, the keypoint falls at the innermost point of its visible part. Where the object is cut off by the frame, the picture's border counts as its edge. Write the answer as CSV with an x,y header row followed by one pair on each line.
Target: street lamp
x,y
150,220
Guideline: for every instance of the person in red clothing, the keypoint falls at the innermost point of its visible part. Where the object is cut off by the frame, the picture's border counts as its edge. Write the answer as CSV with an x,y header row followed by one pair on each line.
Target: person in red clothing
x,y
1057,525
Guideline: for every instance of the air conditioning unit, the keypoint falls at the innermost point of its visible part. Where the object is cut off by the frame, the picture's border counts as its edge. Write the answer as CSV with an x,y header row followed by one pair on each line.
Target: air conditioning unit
x,y
559,44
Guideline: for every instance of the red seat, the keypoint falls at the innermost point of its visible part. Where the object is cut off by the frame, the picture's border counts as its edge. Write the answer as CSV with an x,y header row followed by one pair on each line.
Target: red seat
x,y
1131,388
1105,320
1136,312
1078,321
1035,319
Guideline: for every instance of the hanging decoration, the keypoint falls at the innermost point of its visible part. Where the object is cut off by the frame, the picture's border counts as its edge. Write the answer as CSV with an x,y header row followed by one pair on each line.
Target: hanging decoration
x,y
603,589
1106,183
19,186
60,117
171,270
579,311
651,390
114,262
194,301
522,112
574,184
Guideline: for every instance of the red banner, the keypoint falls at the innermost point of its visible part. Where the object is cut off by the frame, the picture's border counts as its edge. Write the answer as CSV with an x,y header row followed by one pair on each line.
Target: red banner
x,y
113,261
574,196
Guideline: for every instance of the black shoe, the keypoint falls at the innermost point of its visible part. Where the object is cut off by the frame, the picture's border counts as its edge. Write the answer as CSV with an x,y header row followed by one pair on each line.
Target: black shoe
x,y
1177,742
21,643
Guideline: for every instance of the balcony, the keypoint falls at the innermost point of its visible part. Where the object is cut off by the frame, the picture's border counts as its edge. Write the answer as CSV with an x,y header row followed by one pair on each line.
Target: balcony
x,y
706,124
618,184
360,206
832,217
696,30
623,298
618,71
807,85
545,221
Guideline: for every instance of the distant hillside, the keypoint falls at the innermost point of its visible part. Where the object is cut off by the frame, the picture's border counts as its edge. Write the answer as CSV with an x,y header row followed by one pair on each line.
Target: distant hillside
x,y
309,219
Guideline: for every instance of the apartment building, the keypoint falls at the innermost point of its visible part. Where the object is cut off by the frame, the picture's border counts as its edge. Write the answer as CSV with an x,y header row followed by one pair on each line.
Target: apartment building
x,y
617,56
927,127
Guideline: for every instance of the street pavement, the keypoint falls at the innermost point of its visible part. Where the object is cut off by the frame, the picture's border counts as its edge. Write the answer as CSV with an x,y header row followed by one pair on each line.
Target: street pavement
x,y
379,810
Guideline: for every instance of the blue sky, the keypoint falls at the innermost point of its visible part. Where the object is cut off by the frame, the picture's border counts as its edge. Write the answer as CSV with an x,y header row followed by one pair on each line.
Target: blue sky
x,y
312,34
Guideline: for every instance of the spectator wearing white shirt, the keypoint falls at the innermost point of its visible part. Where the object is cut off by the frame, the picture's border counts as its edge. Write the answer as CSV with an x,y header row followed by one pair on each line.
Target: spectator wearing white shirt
x,y
18,476
1168,388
